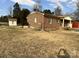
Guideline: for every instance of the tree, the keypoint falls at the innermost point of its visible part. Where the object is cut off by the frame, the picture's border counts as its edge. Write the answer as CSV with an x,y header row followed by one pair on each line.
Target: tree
x,y
23,14
57,11
76,13
47,11
16,10
3,19
52,13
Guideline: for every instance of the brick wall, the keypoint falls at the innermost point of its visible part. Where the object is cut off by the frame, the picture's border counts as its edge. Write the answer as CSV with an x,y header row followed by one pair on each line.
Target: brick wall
x,y
51,25
38,20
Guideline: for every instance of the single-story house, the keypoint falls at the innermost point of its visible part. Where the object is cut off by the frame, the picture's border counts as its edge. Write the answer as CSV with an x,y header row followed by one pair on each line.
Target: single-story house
x,y
47,21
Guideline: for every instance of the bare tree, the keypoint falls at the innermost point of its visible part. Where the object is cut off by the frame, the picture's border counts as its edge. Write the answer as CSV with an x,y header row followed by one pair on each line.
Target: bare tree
x,y
57,11
76,13
10,11
37,6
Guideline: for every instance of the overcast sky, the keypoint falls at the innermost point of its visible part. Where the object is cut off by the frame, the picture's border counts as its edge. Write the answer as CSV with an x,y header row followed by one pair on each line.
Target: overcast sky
x,y
67,6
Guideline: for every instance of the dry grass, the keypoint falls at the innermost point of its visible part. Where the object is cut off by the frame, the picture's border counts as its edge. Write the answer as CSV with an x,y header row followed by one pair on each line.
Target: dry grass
x,y
18,42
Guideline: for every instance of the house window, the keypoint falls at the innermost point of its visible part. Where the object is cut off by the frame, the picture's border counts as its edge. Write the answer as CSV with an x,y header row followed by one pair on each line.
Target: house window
x,y
55,21
58,21
35,20
50,21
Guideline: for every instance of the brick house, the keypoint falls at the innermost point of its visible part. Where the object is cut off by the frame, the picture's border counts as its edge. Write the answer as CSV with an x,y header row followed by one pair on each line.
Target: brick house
x,y
45,21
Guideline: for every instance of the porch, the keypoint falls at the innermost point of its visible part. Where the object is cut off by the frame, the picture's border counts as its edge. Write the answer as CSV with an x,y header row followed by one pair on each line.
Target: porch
x,y
66,22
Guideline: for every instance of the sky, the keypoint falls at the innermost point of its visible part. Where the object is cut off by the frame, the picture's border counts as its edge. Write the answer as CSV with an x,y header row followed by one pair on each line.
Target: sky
x,y
67,6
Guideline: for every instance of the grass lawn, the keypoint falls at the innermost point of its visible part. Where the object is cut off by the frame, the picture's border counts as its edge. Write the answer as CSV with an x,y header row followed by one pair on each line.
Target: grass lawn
x,y
19,42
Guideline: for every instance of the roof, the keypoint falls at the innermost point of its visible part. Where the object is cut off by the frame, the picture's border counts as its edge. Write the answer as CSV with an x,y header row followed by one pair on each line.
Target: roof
x,y
11,18
35,12
52,16
49,15
67,18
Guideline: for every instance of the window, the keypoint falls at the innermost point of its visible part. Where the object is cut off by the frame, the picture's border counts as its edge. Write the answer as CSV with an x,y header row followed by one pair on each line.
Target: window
x,y
50,21
35,20
58,21
55,21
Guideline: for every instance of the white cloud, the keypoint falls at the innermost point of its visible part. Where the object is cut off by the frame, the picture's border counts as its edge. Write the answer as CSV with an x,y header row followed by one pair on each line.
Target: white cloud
x,y
56,2
66,2
25,2
71,4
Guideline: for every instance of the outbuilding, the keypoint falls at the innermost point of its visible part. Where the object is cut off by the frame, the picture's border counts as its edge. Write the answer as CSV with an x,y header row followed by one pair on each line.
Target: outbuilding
x,y
12,21
75,24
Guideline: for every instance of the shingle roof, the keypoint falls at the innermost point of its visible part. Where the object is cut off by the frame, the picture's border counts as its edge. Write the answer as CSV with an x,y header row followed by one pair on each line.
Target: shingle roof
x,y
53,16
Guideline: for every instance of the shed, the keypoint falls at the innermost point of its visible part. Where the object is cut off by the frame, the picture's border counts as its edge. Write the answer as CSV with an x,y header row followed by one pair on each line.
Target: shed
x,y
12,21
75,24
